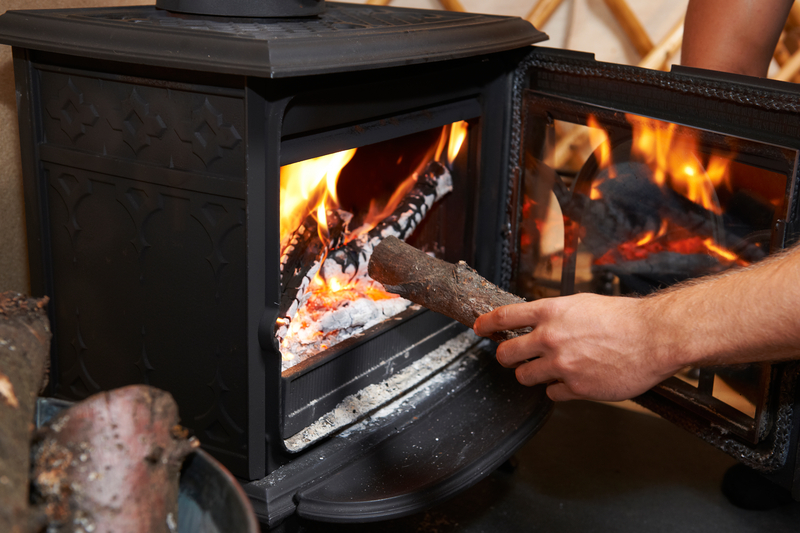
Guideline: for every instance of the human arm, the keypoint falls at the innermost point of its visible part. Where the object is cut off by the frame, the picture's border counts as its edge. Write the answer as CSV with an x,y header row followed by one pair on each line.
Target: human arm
x,y
611,348
736,36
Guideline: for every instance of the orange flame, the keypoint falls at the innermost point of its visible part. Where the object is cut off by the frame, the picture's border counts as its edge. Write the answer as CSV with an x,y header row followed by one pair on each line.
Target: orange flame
x,y
648,237
677,163
719,250
437,154
598,138
310,186
458,132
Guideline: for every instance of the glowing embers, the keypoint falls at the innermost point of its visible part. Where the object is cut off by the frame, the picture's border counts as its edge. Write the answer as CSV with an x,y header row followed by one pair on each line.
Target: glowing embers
x,y
649,203
329,227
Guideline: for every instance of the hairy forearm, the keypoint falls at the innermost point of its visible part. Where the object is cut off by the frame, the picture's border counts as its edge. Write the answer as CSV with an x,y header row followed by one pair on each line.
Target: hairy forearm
x,y
612,348
740,316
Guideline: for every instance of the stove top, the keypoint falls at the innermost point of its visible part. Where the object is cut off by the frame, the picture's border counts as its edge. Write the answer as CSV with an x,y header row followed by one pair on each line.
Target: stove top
x,y
345,37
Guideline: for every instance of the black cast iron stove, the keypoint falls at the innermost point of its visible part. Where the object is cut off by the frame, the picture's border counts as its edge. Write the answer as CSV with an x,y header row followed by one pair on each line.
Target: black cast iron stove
x,y
155,144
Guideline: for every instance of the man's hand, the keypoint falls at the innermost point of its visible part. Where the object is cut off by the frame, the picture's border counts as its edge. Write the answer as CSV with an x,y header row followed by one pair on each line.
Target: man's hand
x,y
586,346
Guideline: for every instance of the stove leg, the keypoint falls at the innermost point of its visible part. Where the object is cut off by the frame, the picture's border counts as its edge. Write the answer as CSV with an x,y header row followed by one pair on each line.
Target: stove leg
x,y
747,489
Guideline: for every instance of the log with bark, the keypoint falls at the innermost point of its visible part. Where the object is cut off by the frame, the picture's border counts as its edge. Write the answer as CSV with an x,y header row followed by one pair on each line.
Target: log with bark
x,y
112,463
24,358
454,290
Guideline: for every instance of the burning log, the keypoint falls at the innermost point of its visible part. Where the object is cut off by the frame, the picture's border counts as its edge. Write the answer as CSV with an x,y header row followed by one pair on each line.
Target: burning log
x,y
631,203
301,256
669,264
112,463
350,261
456,291
24,357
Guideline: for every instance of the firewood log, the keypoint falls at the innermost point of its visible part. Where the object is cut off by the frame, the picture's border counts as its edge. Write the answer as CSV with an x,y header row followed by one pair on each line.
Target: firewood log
x,y
112,463
348,263
455,290
24,357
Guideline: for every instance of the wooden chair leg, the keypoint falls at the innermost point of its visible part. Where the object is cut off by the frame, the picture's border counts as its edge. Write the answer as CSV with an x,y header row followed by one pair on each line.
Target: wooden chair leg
x,y
452,5
631,26
542,12
790,69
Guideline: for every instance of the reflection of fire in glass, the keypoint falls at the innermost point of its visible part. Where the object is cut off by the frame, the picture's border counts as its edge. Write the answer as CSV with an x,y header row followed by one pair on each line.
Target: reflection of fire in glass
x,y
648,206
326,245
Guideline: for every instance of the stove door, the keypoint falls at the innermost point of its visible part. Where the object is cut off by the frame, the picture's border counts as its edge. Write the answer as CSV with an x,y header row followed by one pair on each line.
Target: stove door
x,y
633,180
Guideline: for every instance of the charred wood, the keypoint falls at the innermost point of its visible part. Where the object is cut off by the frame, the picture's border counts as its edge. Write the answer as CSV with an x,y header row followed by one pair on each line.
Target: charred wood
x,y
24,357
455,290
631,203
327,322
670,264
350,261
112,463
302,254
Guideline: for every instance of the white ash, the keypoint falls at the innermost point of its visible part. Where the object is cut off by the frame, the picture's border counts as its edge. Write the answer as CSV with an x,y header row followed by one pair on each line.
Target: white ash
x,y
369,399
350,318
409,399
362,313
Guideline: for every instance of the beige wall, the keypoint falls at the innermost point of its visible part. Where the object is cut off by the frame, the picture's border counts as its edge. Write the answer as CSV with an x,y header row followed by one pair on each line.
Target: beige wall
x,y
577,24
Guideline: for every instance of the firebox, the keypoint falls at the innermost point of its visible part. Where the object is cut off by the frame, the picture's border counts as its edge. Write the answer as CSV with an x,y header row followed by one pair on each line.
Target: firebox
x,y
204,183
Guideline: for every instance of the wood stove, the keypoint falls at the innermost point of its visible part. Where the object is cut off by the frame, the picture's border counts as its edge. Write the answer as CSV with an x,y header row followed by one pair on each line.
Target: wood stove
x,y
153,144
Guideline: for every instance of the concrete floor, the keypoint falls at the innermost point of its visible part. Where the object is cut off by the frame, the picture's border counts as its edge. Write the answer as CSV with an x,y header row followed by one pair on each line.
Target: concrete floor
x,y
597,468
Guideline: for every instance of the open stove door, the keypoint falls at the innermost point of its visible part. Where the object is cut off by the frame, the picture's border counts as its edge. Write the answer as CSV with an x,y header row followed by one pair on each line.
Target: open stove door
x,y
631,180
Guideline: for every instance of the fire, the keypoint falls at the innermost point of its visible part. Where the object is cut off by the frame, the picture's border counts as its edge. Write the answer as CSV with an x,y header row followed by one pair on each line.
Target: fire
x,y
378,212
602,150
675,162
310,188
719,250
677,166
458,132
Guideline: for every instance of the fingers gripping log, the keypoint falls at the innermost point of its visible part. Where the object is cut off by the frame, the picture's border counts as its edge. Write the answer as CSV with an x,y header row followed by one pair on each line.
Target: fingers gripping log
x,y
454,290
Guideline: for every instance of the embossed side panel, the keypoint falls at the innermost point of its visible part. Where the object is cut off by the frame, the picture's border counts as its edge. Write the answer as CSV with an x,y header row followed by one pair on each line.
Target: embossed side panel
x,y
149,285
176,129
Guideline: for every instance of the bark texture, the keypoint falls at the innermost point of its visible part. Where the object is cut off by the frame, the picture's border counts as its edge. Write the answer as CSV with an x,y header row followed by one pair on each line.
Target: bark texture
x,y
24,358
454,290
112,463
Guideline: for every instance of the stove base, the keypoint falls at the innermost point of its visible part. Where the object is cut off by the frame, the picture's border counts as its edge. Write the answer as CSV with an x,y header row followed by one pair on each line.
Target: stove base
x,y
428,445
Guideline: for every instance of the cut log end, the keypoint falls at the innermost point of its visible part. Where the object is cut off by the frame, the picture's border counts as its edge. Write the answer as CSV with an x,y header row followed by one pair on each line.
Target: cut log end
x,y
112,462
